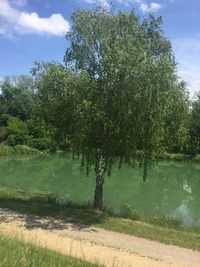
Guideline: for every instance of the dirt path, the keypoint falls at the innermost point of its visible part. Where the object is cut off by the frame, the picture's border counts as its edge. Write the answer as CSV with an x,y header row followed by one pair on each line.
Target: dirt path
x,y
95,245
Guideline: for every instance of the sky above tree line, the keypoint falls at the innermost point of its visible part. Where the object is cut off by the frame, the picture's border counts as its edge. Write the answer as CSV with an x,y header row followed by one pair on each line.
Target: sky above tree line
x,y
34,30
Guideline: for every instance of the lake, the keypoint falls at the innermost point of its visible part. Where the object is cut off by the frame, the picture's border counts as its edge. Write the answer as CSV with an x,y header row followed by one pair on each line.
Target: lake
x,y
172,189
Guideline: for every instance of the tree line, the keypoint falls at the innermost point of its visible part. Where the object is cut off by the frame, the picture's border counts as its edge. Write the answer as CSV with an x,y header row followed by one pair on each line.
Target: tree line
x,y
116,99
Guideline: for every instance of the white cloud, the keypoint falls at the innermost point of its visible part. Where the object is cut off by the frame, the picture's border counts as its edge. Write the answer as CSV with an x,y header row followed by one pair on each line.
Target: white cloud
x,y
103,3
7,12
129,2
13,20
143,6
152,7
31,23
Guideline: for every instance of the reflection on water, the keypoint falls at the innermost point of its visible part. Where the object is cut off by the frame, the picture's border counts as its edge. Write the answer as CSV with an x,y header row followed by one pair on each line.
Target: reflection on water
x,y
172,189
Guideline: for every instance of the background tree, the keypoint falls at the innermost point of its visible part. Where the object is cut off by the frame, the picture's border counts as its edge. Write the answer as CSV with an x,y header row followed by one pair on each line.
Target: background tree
x,y
17,96
59,93
176,138
194,126
41,136
18,131
117,96
18,123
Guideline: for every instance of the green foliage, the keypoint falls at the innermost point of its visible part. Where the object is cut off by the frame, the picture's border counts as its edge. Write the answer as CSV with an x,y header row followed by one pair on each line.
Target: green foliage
x,y
32,132
131,99
135,101
176,135
3,133
118,94
59,91
3,110
18,131
41,135
194,127
17,97
18,125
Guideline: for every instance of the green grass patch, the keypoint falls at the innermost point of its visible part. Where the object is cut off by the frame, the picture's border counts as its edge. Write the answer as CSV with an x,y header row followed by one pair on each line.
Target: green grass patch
x,y
16,253
162,229
166,235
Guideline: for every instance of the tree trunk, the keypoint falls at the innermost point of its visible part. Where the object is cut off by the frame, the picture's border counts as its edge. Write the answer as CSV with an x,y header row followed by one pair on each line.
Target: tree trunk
x,y
98,197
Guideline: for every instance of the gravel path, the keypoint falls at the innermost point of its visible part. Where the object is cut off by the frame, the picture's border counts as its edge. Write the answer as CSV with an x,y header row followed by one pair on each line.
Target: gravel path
x,y
94,244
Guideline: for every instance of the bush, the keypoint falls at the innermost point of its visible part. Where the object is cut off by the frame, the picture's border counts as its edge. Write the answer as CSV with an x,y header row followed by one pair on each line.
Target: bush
x,y
40,143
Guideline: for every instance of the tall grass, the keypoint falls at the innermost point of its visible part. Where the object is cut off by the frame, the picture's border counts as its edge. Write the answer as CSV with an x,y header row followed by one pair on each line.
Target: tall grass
x,y
6,150
14,253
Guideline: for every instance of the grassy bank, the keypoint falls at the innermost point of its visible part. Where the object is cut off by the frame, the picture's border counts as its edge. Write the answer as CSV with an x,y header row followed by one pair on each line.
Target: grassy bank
x,y
17,150
155,228
16,253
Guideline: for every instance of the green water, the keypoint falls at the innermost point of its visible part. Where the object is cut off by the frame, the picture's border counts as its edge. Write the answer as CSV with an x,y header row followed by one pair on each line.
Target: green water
x,y
172,189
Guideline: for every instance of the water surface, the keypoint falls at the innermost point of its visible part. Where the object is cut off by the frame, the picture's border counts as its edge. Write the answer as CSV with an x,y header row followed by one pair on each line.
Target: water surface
x,y
172,189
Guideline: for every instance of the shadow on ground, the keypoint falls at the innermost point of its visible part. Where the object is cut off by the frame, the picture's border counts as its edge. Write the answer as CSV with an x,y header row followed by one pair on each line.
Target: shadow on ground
x,y
50,216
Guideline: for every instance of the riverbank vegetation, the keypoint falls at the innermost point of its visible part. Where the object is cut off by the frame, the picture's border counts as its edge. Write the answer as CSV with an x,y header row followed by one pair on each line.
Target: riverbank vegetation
x,y
117,99
158,228
6,150
180,157
15,252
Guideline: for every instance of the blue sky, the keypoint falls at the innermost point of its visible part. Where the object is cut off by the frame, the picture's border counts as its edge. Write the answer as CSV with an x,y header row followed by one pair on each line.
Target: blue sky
x,y
34,30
